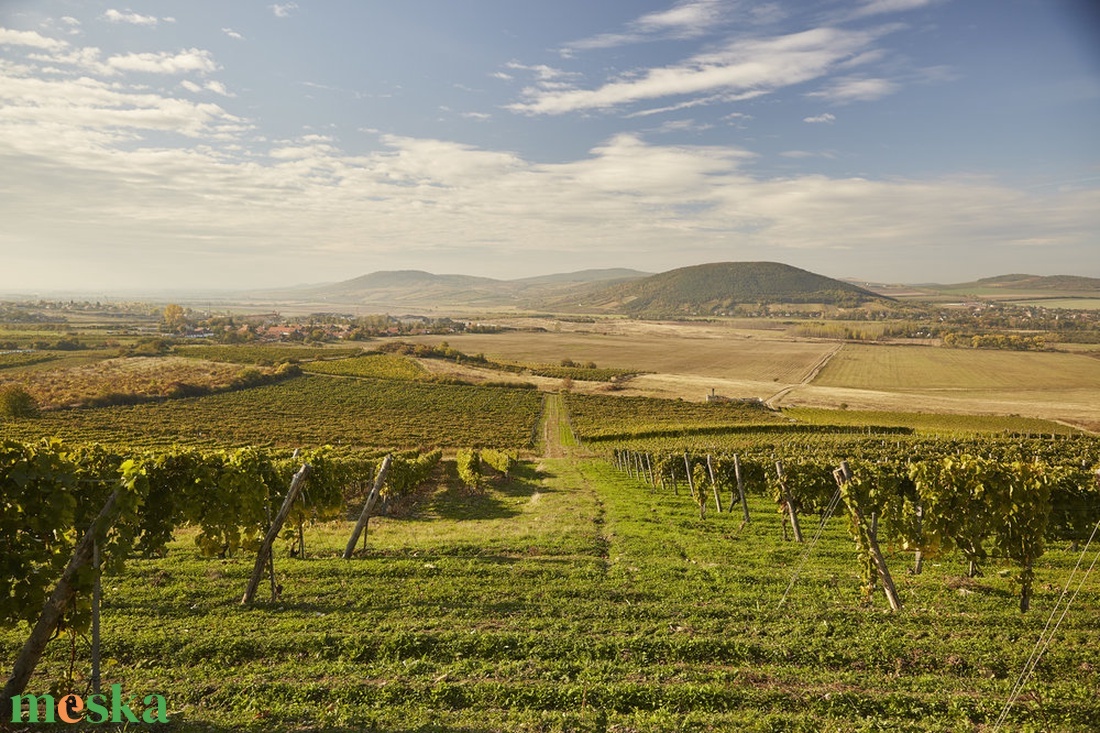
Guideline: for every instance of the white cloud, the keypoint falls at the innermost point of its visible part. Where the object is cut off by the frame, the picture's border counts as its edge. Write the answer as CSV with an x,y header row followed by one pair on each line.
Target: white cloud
x,y
693,16
284,10
31,39
218,88
685,19
116,16
479,116
827,117
306,196
878,7
164,62
232,34
542,72
70,21
748,66
120,179
501,75
856,89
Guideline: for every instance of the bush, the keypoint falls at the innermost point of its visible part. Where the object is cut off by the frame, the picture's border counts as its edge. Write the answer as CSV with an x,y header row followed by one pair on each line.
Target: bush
x,y
17,402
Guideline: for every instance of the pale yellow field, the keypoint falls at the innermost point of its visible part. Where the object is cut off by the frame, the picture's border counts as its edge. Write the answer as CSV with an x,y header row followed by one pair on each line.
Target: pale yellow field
x,y
705,351
1054,386
689,360
903,368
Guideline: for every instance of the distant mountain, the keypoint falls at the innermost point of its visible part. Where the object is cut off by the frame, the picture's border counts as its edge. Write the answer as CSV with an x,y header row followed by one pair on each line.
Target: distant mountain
x,y
1061,283
418,288
717,287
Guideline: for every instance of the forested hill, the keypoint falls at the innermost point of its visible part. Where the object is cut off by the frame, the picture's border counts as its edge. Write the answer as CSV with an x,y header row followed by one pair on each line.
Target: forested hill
x,y
717,287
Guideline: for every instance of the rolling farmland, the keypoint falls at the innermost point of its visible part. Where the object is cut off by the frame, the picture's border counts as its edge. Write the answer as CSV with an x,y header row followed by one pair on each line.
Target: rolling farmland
x,y
567,596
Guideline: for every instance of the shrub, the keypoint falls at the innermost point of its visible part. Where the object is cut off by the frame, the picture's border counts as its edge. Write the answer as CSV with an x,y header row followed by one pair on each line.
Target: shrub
x,y
17,402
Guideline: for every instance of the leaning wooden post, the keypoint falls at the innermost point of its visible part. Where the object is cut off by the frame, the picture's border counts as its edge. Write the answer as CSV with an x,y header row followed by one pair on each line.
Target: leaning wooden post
x,y
714,485
843,476
649,465
691,481
785,495
364,516
263,557
58,601
740,489
97,598
918,561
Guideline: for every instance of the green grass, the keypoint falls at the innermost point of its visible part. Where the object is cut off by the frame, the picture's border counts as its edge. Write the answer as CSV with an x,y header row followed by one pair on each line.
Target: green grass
x,y
575,599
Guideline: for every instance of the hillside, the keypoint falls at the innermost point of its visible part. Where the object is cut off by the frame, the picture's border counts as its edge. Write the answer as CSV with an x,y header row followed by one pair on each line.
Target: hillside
x,y
1060,283
416,288
717,287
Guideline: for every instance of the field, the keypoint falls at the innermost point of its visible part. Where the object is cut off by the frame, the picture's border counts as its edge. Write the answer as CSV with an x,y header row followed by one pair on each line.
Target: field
x,y
307,411
688,361
1052,386
915,369
569,596
707,351
106,380
575,599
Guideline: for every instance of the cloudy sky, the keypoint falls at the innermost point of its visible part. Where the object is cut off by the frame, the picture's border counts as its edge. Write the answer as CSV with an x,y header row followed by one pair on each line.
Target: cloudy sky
x,y
249,144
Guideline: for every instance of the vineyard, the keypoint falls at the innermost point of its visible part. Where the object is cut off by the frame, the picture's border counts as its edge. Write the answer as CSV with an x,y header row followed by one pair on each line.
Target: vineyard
x,y
306,411
263,354
375,365
665,565
573,599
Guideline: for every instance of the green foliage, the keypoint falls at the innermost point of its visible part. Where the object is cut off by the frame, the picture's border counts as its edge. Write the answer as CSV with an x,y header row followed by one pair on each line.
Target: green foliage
x,y
500,460
15,401
468,463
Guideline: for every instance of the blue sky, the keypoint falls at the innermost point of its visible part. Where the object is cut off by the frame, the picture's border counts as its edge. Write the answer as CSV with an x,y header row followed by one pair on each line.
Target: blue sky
x,y
221,145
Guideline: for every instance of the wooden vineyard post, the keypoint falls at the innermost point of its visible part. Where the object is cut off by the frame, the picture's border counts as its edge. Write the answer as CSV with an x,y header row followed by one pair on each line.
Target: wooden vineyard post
x,y
714,485
58,601
691,482
843,476
649,466
740,489
263,557
785,495
918,561
97,598
364,516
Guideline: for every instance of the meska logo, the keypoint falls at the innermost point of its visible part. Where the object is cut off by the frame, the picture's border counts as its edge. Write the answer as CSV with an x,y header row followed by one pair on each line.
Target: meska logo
x,y
98,708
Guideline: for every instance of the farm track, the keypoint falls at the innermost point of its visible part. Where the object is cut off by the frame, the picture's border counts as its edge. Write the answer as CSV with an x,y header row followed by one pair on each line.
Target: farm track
x,y
811,375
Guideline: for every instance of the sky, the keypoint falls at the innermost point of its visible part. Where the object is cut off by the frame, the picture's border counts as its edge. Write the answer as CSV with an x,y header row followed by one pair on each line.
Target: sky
x,y
210,144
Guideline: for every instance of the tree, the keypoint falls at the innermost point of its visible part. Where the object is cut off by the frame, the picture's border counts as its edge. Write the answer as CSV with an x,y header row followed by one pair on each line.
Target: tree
x,y
17,402
174,317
